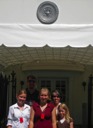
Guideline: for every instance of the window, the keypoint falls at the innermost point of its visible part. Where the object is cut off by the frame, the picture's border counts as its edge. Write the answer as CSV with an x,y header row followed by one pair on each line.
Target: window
x,y
60,84
46,83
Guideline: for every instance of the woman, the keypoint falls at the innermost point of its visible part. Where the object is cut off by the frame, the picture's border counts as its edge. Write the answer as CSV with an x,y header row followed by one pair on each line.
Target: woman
x,y
65,121
42,113
56,100
19,113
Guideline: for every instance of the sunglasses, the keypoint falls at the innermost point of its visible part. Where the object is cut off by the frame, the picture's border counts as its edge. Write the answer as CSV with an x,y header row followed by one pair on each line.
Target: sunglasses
x,y
31,81
56,96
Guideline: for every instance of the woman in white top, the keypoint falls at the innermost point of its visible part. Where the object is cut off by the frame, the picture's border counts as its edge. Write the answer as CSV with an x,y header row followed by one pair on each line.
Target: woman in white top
x,y
19,113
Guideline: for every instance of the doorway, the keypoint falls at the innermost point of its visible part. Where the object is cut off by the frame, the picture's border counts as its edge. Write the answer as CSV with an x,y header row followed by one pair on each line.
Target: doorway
x,y
61,84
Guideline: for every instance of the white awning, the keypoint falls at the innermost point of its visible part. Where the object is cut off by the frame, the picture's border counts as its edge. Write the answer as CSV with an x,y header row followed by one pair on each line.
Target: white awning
x,y
33,43
39,35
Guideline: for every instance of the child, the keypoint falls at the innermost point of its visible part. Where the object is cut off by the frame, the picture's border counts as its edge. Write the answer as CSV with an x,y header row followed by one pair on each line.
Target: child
x,y
19,113
42,113
65,121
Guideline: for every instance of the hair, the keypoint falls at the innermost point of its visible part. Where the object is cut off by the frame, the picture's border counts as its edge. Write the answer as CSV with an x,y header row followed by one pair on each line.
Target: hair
x,y
31,76
56,92
21,91
65,107
45,89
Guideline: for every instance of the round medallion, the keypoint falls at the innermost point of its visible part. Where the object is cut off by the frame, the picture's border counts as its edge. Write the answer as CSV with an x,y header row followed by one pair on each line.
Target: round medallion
x,y
47,12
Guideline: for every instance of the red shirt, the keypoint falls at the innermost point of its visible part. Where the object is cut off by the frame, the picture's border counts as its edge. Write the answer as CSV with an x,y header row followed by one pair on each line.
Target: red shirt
x,y
43,119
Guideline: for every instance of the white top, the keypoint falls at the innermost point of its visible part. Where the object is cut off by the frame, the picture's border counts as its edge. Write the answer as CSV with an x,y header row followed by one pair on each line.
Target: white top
x,y
15,114
62,120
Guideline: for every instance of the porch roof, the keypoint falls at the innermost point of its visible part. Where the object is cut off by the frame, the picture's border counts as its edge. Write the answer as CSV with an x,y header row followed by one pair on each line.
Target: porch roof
x,y
62,43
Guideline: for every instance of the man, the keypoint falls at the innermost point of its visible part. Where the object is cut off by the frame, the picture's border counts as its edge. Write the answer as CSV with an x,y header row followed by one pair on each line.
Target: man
x,y
32,92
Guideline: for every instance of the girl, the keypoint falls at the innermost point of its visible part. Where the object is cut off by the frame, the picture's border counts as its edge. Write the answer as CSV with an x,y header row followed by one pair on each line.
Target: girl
x,y
65,120
19,113
43,114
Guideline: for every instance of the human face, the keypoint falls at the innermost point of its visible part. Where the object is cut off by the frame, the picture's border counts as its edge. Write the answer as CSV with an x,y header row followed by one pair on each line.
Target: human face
x,y
62,112
21,99
44,96
56,99
31,83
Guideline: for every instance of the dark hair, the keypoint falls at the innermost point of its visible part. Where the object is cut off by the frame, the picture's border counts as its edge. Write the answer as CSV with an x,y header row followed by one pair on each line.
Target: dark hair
x,y
32,77
56,92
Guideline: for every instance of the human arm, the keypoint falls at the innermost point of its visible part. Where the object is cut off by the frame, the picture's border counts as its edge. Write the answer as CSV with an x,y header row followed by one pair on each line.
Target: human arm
x,y
31,122
71,124
10,118
54,118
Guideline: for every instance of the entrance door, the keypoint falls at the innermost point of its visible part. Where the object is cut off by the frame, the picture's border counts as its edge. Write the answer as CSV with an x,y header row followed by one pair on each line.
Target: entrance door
x,y
61,84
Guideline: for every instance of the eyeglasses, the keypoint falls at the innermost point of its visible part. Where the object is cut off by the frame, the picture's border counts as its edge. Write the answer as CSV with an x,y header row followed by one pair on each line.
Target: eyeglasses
x,y
31,81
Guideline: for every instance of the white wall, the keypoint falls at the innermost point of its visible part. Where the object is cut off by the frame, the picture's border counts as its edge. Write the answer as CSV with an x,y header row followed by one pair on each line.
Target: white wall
x,y
24,11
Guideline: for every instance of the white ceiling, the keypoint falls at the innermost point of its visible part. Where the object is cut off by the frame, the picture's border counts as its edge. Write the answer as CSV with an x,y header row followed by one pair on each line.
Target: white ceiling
x,y
23,55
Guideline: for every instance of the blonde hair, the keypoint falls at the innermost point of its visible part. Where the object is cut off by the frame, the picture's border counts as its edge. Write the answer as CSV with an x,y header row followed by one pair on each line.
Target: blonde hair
x,y
21,91
45,89
65,107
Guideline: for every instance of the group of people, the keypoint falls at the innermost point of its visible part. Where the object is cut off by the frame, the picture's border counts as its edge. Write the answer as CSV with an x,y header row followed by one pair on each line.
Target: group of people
x,y
38,109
